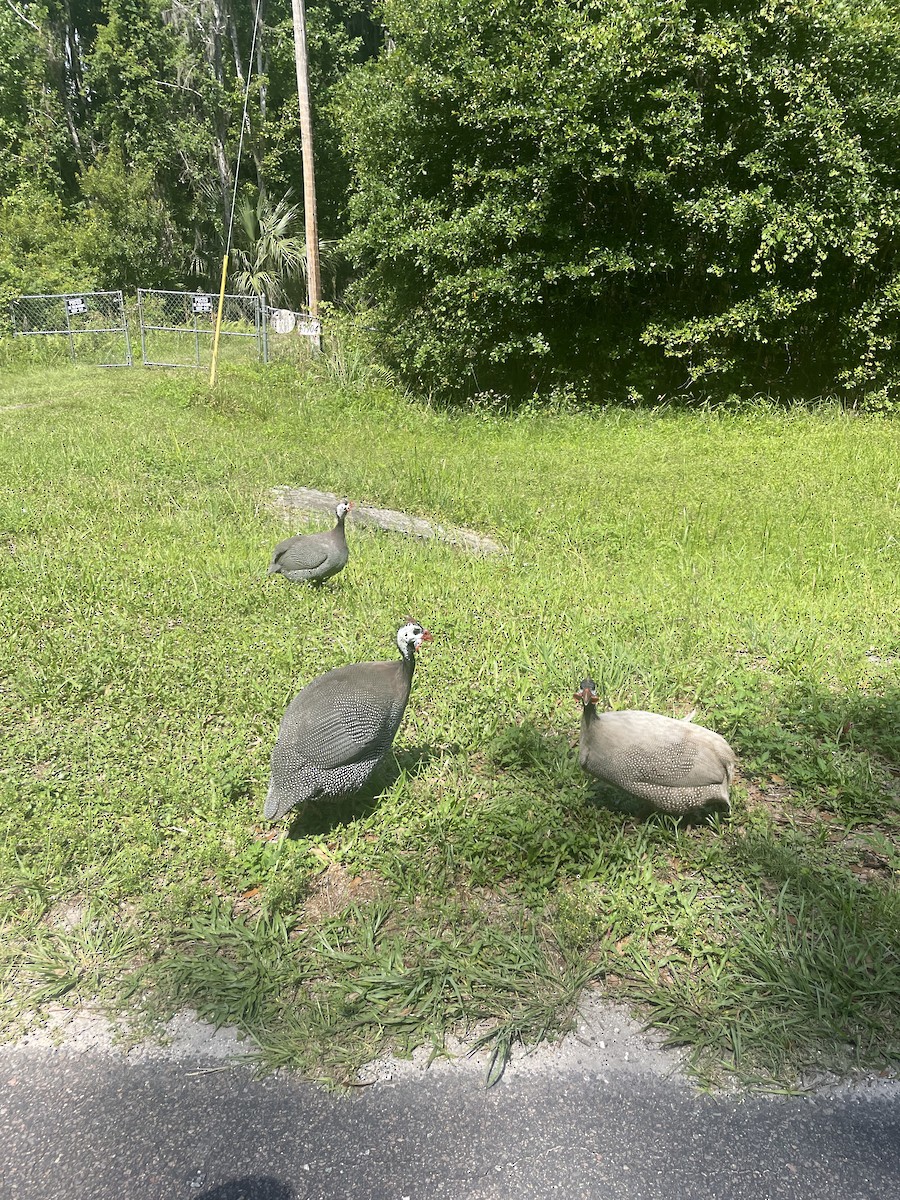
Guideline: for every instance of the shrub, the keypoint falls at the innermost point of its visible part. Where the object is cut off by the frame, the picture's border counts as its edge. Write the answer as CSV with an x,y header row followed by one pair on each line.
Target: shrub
x,y
655,197
37,250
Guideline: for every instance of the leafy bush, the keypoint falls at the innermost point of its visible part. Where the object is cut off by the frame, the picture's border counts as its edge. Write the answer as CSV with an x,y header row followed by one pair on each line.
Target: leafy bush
x,y
127,231
38,252
646,198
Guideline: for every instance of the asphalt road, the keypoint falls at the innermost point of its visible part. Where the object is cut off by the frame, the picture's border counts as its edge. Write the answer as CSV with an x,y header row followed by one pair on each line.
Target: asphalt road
x,y
102,1127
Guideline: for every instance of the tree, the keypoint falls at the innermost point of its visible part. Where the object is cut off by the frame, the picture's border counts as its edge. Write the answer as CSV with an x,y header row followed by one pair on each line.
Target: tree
x,y
39,250
663,196
127,112
269,255
269,258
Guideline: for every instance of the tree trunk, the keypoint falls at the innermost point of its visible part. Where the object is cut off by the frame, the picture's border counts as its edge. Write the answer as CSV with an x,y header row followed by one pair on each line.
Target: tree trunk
x,y
249,139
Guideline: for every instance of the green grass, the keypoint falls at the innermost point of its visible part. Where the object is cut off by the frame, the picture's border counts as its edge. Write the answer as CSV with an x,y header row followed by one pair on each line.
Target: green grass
x,y
743,564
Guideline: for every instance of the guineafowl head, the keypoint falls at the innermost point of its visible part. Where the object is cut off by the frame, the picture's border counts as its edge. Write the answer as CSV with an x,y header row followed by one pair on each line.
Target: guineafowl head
x,y
291,782
587,692
343,508
410,637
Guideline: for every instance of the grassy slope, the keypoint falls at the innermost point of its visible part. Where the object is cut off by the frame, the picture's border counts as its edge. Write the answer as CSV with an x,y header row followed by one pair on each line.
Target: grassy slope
x,y
743,565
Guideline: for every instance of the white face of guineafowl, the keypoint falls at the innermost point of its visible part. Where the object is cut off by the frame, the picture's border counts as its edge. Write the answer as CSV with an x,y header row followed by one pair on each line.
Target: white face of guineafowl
x,y
343,508
410,637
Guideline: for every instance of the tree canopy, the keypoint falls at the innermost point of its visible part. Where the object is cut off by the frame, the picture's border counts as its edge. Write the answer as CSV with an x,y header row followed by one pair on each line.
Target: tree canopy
x,y
632,197
122,119
581,198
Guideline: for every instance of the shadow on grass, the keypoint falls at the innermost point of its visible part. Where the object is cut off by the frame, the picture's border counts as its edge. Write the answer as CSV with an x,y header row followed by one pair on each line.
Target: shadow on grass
x,y
870,718
754,945
321,817
769,950
552,759
615,800
840,749
525,749
824,960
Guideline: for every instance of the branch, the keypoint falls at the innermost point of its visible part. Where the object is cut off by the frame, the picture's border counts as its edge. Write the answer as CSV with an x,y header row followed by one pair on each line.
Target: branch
x,y
183,87
22,17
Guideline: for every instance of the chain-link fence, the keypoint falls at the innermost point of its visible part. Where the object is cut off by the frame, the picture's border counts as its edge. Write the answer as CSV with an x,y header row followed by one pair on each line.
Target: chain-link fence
x,y
87,327
177,328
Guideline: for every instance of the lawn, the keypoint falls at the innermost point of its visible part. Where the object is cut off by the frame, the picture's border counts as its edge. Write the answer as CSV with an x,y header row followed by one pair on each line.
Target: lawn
x,y
743,564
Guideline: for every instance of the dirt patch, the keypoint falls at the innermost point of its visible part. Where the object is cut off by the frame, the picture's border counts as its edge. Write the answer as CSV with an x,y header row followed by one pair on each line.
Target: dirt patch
x,y
774,795
867,863
862,859
605,1037
335,888
67,914
87,1030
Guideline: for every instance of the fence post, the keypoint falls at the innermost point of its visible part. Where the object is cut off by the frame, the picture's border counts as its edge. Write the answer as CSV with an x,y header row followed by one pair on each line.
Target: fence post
x,y
128,359
140,302
69,328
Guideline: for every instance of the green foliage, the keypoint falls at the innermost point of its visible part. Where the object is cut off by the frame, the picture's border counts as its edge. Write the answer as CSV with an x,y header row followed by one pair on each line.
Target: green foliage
x,y
18,46
648,200
126,231
269,257
135,53
128,112
269,253
39,248
338,34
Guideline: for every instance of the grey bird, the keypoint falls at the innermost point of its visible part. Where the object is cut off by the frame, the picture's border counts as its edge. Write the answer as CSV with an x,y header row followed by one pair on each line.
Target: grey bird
x,y
338,728
675,765
313,557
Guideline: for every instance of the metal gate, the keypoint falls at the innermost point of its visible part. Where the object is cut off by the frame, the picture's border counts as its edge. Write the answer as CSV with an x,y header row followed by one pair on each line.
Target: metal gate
x,y
90,325
177,328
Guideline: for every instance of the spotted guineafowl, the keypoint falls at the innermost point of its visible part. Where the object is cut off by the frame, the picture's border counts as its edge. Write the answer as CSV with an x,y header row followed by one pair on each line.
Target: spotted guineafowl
x,y
675,765
313,557
337,729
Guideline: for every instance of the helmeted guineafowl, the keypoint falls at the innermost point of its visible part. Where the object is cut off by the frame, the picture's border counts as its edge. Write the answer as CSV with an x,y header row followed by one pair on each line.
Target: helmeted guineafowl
x,y
675,765
313,557
337,729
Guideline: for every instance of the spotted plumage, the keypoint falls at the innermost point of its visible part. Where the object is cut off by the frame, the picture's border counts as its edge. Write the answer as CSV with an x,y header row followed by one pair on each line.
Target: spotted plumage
x,y
313,557
337,729
674,765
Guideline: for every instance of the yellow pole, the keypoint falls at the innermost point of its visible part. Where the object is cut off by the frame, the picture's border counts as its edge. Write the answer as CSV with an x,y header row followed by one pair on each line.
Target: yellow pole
x,y
215,353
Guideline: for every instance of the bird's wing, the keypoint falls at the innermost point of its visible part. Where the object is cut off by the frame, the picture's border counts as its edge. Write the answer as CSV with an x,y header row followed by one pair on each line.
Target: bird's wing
x,y
685,762
301,553
667,752
340,718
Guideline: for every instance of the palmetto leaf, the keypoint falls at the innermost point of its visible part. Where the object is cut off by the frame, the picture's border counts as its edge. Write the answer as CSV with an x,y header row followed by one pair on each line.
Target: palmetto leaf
x,y
269,255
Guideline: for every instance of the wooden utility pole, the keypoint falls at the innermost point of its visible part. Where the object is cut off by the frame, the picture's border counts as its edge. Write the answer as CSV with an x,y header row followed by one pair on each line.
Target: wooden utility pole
x,y
306,147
